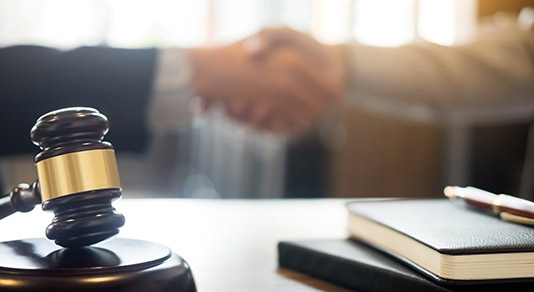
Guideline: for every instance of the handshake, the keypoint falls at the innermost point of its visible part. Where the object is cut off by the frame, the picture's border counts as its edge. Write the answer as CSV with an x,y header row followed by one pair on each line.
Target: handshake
x,y
278,80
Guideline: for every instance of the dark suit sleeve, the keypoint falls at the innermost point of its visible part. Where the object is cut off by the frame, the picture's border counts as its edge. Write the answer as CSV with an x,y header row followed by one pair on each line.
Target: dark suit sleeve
x,y
35,80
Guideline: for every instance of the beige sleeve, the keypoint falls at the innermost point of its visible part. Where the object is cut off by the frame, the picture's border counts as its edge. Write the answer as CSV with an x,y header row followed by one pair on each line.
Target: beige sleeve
x,y
169,107
494,71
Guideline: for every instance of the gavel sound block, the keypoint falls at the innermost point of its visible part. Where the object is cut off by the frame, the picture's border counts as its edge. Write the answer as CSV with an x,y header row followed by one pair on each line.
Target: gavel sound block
x,y
78,180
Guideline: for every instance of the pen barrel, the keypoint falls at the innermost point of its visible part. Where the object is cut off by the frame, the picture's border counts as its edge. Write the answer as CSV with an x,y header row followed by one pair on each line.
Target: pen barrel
x,y
478,198
515,206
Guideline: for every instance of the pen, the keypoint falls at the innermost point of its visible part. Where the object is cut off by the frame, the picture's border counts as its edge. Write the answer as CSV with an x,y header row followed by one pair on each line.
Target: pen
x,y
509,208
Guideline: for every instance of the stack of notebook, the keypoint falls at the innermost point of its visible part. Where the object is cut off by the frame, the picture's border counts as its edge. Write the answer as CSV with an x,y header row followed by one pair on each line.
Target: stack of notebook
x,y
420,245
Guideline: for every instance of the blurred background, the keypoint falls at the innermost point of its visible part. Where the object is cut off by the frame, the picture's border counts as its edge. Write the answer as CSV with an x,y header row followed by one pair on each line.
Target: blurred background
x,y
362,150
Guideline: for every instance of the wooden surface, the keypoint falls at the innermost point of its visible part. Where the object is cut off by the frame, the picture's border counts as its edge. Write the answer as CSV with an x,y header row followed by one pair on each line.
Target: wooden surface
x,y
230,244
490,7
379,148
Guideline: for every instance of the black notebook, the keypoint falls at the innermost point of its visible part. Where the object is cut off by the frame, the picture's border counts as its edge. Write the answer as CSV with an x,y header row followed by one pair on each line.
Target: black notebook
x,y
354,265
448,242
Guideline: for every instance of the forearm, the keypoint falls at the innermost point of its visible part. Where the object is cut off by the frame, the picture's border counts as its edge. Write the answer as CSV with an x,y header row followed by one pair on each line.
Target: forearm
x,y
495,71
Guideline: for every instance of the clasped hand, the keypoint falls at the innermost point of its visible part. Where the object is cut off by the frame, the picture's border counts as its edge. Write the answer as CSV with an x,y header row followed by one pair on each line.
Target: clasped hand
x,y
278,80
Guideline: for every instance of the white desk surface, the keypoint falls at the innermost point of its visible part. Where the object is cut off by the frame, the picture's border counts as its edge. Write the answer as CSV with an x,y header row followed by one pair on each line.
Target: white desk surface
x,y
230,244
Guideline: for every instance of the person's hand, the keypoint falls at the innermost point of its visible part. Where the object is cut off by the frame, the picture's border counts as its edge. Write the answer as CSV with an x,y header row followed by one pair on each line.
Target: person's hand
x,y
271,81
323,65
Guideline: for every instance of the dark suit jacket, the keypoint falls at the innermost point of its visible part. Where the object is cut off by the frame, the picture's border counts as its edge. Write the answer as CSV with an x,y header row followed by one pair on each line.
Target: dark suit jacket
x,y
35,80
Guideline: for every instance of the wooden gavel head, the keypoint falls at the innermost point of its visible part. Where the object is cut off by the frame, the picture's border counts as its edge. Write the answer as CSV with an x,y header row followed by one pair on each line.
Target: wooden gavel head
x,y
78,176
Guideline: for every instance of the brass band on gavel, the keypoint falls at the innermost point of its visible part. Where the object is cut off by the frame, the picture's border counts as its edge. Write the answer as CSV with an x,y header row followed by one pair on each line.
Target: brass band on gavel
x,y
77,172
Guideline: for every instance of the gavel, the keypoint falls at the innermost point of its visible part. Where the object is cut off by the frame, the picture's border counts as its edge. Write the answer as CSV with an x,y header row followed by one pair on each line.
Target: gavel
x,y
78,178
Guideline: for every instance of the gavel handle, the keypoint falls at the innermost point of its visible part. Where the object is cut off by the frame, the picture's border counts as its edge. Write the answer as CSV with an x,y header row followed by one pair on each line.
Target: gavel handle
x,y
6,208
22,198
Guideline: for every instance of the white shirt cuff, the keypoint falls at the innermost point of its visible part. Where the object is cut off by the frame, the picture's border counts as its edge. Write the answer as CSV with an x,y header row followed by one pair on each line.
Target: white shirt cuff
x,y
169,108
